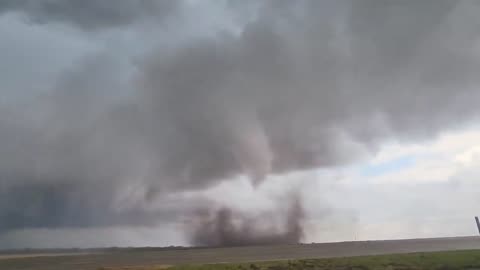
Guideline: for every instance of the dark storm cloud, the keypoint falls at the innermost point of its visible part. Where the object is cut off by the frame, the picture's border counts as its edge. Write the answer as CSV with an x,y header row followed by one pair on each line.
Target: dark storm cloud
x,y
306,84
55,171
91,14
44,205
281,95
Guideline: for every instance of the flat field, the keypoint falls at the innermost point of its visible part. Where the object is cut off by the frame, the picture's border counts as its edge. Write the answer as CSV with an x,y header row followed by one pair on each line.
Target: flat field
x,y
153,258
443,260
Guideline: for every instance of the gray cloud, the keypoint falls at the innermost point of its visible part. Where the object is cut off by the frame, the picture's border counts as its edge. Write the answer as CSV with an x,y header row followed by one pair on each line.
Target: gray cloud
x,y
91,15
305,85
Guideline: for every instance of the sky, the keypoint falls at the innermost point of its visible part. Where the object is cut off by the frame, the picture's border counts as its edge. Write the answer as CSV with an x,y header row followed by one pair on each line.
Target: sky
x,y
224,122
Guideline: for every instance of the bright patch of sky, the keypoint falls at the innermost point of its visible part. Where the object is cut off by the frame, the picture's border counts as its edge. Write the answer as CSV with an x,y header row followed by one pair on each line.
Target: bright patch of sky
x,y
390,166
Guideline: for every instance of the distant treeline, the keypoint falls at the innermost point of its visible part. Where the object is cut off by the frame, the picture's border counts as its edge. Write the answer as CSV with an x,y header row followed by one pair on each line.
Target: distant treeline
x,y
88,250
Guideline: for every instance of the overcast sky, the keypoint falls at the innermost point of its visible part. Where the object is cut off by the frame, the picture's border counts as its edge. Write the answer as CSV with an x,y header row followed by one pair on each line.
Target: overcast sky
x,y
120,121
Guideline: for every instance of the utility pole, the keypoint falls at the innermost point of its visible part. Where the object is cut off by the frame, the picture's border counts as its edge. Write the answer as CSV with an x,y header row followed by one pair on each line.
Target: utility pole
x,y
478,224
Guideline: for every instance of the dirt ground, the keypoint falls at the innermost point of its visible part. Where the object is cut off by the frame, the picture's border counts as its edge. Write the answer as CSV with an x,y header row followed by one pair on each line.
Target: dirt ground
x,y
237,254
